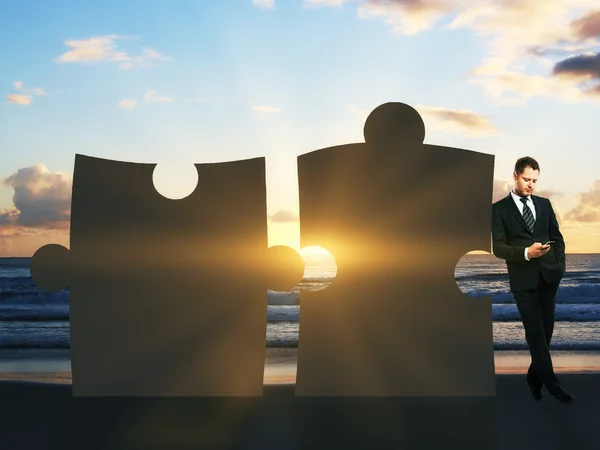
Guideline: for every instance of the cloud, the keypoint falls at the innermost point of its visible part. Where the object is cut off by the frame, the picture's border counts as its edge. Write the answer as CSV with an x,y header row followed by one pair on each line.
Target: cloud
x,y
523,39
500,189
283,216
462,121
581,67
152,97
18,99
588,207
9,216
548,193
266,109
127,103
594,91
514,87
42,199
526,40
264,4
323,3
587,26
104,48
23,95
6,246
406,16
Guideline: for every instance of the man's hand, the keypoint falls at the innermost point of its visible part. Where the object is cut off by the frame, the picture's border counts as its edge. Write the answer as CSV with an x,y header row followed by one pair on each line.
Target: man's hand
x,y
536,250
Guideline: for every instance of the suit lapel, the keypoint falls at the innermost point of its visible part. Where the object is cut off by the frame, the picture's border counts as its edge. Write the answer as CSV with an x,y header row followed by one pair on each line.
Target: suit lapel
x,y
510,204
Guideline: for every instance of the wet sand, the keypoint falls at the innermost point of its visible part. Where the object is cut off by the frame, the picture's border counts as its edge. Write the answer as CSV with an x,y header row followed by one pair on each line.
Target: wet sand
x,y
42,414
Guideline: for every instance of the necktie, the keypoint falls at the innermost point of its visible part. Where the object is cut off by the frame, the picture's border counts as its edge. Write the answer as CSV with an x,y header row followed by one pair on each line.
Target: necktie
x,y
527,214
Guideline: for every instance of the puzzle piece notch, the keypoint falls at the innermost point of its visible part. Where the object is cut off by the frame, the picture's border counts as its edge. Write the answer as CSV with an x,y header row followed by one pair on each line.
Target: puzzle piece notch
x,y
284,268
175,179
394,123
317,258
51,267
463,264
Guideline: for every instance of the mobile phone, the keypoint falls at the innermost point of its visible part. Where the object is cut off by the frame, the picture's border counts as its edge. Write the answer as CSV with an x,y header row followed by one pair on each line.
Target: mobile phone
x,y
549,242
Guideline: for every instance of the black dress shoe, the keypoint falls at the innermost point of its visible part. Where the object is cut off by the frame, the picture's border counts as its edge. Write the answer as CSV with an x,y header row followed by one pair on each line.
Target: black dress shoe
x,y
536,393
560,394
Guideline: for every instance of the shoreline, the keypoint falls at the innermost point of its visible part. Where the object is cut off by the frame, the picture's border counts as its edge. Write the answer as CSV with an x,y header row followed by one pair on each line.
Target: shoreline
x,y
281,365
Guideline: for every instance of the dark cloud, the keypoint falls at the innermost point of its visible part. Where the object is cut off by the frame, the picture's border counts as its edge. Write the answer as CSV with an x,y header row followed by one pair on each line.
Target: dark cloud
x,y
587,26
283,216
41,199
580,65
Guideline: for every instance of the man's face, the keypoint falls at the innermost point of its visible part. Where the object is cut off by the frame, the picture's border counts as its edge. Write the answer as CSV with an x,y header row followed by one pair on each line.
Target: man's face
x,y
525,182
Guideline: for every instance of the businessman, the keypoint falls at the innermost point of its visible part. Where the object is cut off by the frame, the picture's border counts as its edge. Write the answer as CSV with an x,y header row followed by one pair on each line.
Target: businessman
x,y
522,224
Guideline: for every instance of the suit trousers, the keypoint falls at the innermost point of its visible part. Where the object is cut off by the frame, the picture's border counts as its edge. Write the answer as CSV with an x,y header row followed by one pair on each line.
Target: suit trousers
x,y
537,307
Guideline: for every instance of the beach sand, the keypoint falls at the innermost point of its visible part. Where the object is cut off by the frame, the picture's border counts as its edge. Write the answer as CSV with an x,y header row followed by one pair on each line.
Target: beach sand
x,y
38,412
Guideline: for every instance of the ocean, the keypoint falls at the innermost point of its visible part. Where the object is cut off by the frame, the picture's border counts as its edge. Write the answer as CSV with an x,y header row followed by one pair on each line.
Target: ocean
x,y
36,323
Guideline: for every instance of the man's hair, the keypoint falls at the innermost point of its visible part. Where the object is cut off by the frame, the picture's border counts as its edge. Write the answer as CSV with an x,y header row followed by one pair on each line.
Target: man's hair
x,y
526,161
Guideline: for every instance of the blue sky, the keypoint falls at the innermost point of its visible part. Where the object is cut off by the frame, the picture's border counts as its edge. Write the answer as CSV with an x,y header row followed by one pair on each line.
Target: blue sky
x,y
219,80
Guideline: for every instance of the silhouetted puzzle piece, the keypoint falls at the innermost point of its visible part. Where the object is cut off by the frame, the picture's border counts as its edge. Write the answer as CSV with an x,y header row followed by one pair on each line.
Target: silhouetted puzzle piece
x,y
397,215
168,297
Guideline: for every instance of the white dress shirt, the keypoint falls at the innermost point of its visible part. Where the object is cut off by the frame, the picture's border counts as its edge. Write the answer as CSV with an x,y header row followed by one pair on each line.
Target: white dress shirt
x,y
520,205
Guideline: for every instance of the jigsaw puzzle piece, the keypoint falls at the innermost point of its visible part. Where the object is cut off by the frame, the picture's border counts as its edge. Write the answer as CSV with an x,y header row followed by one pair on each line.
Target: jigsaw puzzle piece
x,y
397,215
50,267
168,297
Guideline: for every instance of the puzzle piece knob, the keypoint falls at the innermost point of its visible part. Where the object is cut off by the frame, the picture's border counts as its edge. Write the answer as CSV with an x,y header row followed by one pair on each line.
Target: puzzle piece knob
x,y
394,123
285,268
49,267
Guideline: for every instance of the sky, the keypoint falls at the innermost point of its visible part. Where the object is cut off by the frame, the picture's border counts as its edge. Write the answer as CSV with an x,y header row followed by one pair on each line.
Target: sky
x,y
183,82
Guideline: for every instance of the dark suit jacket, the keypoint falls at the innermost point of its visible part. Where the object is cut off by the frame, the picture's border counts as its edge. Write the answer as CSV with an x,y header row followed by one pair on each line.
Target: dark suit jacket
x,y
510,236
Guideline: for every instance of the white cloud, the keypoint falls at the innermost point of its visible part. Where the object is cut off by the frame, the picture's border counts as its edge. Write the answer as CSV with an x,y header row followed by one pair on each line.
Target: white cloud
x,y
323,3
104,48
406,16
23,95
588,207
264,4
18,99
42,199
266,109
152,97
524,40
127,103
